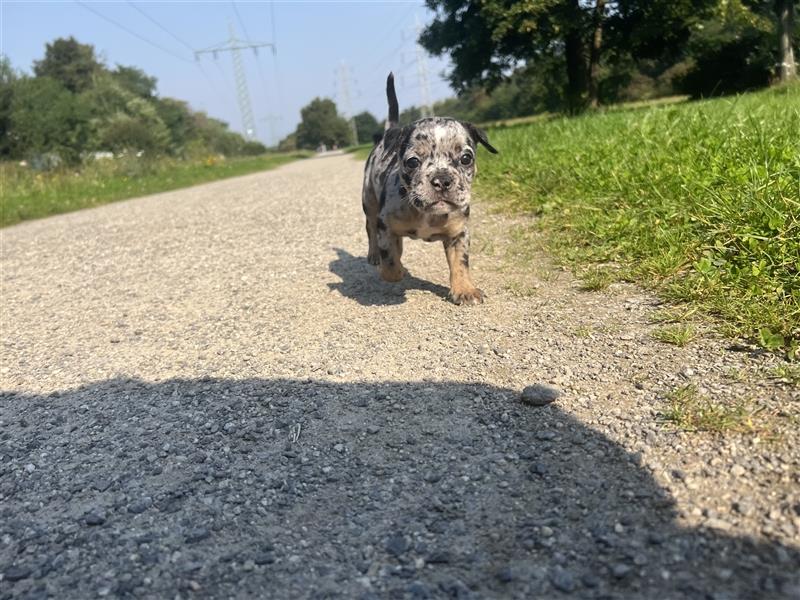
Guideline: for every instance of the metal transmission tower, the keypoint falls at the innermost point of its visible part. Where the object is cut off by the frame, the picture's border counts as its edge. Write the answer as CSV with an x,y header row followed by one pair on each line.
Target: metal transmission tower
x,y
235,46
347,108
422,72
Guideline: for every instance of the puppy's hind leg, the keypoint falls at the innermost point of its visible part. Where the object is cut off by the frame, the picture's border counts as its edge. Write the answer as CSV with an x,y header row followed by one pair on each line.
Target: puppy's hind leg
x,y
370,205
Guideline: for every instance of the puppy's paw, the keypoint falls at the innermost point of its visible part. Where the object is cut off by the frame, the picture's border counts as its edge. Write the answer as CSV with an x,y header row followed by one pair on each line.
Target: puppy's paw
x,y
466,296
391,273
373,258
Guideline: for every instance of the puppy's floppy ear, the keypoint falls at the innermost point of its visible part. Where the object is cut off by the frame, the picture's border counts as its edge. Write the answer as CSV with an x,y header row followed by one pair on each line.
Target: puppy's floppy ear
x,y
479,136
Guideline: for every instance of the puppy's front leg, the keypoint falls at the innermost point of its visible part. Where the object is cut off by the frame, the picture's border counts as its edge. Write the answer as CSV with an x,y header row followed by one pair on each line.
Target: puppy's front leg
x,y
462,290
390,247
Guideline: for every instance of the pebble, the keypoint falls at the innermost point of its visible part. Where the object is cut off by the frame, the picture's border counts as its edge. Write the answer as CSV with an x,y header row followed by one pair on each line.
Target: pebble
x,y
563,580
140,506
95,518
397,545
619,570
196,535
539,394
714,523
17,573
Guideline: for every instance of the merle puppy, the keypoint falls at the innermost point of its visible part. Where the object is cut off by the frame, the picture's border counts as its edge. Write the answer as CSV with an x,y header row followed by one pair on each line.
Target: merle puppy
x,y
417,184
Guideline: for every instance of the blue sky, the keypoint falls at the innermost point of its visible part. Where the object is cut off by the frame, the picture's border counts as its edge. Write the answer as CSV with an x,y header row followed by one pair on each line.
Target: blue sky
x,y
313,40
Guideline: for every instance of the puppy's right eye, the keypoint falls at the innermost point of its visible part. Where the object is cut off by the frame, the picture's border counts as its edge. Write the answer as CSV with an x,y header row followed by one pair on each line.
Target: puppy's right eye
x,y
412,163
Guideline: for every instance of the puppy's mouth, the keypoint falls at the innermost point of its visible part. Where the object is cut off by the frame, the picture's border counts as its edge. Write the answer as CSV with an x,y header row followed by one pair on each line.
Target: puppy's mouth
x,y
436,203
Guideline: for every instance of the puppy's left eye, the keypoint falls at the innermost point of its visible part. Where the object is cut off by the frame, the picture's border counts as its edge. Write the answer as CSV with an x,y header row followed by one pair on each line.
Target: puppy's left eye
x,y
466,159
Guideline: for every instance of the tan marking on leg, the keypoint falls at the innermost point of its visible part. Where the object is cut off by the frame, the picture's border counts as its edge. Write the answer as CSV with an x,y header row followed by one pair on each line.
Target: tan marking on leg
x,y
462,290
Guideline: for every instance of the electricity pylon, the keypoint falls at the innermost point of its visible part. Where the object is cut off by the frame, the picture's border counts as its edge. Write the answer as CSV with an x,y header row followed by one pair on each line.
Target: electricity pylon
x,y
235,46
347,107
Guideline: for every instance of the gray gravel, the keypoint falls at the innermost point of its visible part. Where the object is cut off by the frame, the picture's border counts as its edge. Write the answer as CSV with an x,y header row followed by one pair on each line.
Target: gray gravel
x,y
209,393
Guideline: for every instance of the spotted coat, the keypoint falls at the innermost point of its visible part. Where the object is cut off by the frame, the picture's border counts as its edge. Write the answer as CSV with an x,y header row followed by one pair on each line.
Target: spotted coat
x,y
417,184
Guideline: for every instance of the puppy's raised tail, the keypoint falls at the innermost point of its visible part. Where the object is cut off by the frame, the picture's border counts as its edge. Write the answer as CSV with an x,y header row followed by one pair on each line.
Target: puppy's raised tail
x,y
394,110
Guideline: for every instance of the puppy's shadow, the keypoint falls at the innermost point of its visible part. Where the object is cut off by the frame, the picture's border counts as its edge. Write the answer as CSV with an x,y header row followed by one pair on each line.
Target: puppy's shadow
x,y
360,281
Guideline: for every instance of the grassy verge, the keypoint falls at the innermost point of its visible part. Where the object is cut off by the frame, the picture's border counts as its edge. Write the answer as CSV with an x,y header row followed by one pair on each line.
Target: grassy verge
x,y
699,201
27,194
688,410
360,152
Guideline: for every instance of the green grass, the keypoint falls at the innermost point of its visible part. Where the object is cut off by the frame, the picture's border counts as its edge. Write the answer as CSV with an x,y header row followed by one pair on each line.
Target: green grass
x,y
689,410
596,279
360,152
678,335
27,194
699,201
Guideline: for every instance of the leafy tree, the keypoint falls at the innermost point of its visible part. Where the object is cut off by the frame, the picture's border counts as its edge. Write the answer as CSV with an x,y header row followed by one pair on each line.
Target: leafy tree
x,y
7,79
135,128
410,114
321,124
488,39
366,126
46,117
288,144
253,148
135,81
72,64
177,116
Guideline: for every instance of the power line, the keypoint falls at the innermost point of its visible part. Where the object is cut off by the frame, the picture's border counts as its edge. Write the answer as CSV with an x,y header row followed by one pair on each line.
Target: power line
x,y
241,22
422,73
161,27
222,97
131,32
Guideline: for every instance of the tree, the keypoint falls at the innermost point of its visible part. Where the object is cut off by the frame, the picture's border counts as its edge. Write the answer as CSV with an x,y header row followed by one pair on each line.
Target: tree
x,y
8,77
786,15
733,50
366,126
488,39
135,81
72,64
177,116
321,124
45,117
410,114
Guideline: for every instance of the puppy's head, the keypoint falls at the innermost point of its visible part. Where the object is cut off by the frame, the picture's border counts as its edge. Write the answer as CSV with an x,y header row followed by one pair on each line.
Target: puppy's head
x,y
437,160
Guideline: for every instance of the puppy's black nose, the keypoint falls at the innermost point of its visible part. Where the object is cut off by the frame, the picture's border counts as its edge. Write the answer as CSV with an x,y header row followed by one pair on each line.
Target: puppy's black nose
x,y
442,181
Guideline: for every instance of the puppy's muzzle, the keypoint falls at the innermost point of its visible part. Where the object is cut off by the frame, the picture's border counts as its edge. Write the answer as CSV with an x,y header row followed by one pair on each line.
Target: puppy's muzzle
x,y
442,181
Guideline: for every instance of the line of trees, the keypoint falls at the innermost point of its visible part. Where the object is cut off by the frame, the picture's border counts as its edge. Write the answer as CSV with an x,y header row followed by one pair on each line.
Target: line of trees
x,y
321,123
571,54
74,106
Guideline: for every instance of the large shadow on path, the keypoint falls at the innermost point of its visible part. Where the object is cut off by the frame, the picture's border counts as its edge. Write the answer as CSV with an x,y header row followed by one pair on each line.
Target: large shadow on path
x,y
313,489
361,283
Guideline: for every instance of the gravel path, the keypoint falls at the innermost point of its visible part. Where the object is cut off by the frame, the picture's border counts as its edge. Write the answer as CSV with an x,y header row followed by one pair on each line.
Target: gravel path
x,y
208,393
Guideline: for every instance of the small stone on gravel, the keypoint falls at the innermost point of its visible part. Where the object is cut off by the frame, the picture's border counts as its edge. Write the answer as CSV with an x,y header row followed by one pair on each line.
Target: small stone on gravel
x,y
95,518
539,394
197,535
17,573
619,570
563,580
